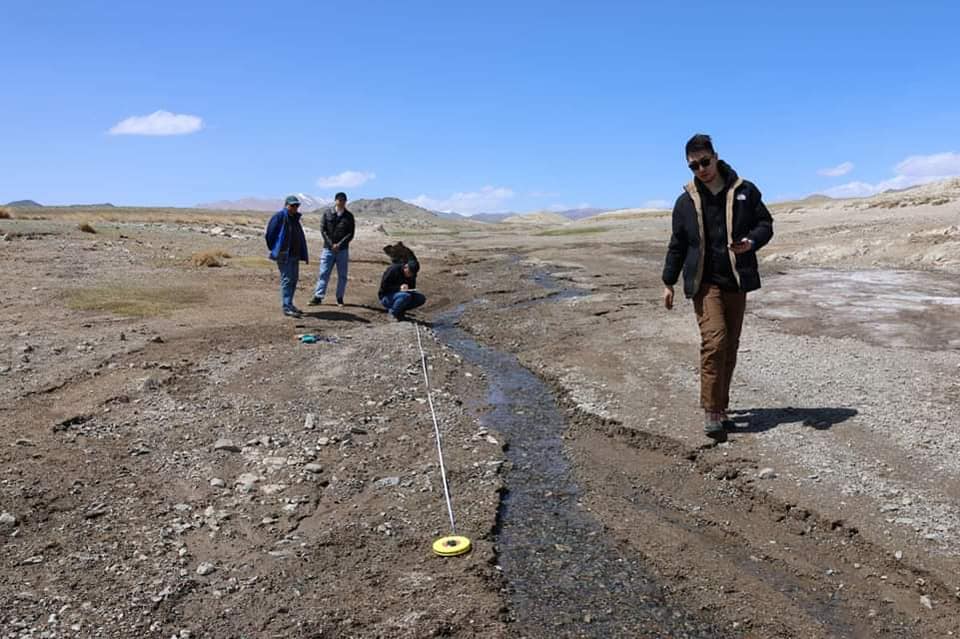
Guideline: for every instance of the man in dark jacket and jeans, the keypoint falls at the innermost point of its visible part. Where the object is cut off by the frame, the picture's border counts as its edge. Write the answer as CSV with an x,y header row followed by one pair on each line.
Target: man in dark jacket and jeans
x,y
719,224
337,229
288,246
398,292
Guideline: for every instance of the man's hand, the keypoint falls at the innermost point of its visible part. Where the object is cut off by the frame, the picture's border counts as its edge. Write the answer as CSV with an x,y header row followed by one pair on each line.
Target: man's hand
x,y
668,297
404,287
336,247
742,246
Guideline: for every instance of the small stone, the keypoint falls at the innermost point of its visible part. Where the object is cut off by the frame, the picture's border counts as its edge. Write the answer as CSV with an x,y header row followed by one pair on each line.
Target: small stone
x,y
925,600
766,473
7,520
275,462
313,468
898,555
386,482
216,482
323,441
309,422
226,445
205,568
246,481
273,489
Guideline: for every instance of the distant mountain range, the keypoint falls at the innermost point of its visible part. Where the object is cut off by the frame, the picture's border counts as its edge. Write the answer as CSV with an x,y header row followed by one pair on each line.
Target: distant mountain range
x,y
386,206
570,214
24,204
308,203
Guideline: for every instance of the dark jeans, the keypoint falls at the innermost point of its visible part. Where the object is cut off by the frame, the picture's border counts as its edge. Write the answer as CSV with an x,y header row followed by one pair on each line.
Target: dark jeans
x,y
401,301
289,275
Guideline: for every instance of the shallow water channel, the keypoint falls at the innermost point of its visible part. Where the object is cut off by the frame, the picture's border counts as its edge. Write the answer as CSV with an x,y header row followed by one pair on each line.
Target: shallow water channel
x,y
565,577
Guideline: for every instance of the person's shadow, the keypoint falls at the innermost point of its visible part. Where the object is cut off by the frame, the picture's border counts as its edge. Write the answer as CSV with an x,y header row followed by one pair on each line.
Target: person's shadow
x,y
336,316
757,420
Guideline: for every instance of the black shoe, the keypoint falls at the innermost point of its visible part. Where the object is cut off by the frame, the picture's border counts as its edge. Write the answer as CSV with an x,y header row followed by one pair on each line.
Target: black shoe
x,y
339,301
729,425
315,301
714,430
292,312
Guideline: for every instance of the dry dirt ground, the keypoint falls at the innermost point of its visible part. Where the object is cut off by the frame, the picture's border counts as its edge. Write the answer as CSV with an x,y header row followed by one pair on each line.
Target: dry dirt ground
x,y
831,513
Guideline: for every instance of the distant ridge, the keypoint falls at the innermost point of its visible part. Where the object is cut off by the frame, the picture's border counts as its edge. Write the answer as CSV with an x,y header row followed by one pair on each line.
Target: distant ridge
x,y
309,203
24,204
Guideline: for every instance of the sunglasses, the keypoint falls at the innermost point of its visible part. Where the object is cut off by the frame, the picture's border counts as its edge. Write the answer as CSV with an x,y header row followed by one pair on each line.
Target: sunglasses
x,y
702,163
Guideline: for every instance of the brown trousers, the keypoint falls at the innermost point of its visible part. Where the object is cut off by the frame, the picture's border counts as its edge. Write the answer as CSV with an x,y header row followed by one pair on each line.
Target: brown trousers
x,y
720,317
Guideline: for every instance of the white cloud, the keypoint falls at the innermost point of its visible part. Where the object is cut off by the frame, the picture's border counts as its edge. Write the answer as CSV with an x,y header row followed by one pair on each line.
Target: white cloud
x,y
915,170
656,204
158,123
836,171
489,199
938,164
346,180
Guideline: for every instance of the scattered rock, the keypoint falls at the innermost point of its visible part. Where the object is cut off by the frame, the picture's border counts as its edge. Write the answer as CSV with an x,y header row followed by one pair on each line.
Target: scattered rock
x,y
7,520
767,473
275,462
309,422
273,489
386,482
205,568
926,601
313,468
216,482
246,481
226,445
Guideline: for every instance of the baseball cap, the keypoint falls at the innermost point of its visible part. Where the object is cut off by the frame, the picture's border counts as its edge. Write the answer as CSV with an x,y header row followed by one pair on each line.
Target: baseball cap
x,y
291,199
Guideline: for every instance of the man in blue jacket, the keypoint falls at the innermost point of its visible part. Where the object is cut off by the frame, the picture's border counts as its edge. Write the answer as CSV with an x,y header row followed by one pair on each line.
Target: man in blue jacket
x,y
288,246
719,224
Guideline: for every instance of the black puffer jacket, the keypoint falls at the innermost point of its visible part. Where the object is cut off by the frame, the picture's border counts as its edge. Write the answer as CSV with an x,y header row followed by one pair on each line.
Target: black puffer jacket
x,y
746,216
337,229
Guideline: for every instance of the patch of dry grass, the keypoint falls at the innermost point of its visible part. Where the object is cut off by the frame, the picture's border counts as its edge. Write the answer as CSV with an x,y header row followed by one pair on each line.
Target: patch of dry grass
x,y
251,261
580,230
135,301
209,258
5,214
191,217
86,228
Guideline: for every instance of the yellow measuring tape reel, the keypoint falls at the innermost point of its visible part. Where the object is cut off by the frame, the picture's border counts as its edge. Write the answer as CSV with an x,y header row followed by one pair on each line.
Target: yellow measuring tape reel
x,y
451,546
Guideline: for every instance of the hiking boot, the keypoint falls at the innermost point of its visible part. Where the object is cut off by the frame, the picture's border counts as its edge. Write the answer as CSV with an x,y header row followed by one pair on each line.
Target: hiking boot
x,y
292,312
713,428
315,301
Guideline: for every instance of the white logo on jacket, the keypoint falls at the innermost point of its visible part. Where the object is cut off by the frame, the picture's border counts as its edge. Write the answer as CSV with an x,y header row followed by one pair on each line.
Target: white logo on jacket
x,y
742,197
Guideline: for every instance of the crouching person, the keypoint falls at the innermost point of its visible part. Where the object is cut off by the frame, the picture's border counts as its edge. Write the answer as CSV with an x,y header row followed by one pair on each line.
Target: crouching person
x,y
398,292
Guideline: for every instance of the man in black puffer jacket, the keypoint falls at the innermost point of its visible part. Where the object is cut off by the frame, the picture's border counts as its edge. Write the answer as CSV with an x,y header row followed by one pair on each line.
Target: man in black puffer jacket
x,y
337,228
719,224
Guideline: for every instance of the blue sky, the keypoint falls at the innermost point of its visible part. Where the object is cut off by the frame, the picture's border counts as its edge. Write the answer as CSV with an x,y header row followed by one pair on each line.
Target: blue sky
x,y
473,107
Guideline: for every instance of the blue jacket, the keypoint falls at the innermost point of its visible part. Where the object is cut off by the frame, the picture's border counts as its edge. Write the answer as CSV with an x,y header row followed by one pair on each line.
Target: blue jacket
x,y
283,229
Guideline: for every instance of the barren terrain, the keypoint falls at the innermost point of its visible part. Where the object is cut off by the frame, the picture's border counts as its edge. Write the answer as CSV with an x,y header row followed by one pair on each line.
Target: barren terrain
x,y
176,463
